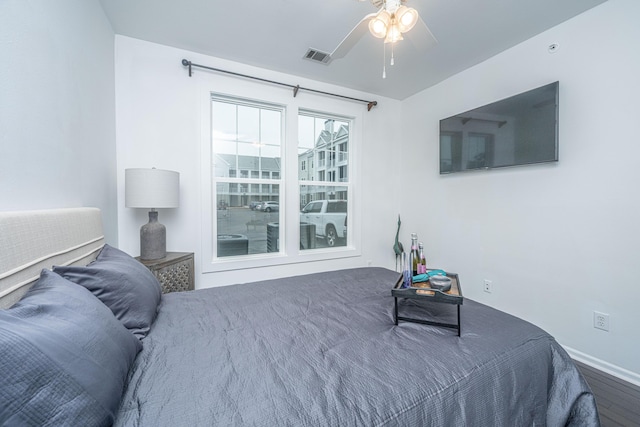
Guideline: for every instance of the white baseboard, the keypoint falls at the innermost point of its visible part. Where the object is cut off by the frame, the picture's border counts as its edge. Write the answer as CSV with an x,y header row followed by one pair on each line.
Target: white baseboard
x,y
601,365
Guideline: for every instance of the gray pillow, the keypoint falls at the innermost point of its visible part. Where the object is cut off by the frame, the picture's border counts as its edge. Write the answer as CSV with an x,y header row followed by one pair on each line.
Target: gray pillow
x,y
64,357
123,284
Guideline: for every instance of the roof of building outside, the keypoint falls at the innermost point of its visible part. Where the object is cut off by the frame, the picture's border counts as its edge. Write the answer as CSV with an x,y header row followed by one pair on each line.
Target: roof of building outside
x,y
252,162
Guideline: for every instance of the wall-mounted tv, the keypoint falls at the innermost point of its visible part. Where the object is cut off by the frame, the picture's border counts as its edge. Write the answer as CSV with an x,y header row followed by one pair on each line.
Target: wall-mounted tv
x,y
519,130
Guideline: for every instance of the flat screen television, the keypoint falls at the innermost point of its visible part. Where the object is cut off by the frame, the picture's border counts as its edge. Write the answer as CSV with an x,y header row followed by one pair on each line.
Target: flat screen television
x,y
520,130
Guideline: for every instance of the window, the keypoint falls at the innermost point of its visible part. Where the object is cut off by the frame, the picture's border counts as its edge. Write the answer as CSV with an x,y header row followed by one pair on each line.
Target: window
x,y
314,207
342,173
338,206
478,150
470,150
246,137
262,164
450,151
321,137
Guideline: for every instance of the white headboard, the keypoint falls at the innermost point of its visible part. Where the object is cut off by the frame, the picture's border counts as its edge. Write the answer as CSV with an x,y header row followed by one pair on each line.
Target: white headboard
x,y
33,240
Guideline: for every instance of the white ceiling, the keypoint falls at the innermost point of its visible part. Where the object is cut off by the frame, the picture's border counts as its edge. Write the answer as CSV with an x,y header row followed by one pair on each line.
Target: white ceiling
x,y
275,34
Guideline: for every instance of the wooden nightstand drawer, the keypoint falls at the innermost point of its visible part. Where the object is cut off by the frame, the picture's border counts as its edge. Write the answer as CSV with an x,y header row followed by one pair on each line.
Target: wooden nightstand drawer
x,y
175,272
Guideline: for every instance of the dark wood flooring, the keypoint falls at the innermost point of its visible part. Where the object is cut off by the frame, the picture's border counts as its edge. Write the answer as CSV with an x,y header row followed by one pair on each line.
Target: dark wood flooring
x,y
618,401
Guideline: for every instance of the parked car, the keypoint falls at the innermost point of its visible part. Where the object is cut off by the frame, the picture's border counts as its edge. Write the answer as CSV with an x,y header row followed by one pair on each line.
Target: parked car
x,y
268,206
254,204
329,217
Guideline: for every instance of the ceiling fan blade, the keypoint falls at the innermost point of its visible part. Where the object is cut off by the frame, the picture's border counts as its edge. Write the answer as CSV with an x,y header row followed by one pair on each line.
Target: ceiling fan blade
x,y
352,38
421,36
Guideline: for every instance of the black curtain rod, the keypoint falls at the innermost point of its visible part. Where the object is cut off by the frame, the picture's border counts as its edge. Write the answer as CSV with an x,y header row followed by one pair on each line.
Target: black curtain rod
x,y
370,104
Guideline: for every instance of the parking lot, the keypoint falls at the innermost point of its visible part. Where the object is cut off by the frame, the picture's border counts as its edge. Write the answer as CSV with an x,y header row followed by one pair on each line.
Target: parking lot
x,y
253,225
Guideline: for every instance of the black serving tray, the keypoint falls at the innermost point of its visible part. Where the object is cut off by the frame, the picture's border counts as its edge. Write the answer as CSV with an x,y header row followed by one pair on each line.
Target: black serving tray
x,y
423,290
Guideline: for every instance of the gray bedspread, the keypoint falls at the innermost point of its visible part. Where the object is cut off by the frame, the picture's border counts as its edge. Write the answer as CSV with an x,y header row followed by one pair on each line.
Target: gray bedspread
x,y
323,350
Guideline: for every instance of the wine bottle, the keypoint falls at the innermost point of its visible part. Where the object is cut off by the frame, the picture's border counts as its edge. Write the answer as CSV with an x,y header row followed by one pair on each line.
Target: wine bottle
x,y
422,265
415,256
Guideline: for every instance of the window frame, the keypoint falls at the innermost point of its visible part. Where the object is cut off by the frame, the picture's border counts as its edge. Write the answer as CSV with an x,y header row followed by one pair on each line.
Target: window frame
x,y
290,252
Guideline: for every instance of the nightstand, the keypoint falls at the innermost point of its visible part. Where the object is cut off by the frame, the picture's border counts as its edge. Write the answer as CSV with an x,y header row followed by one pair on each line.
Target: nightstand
x,y
174,272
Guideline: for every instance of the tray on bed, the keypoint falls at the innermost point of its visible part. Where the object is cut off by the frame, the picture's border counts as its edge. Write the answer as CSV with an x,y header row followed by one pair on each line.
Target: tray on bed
x,y
423,291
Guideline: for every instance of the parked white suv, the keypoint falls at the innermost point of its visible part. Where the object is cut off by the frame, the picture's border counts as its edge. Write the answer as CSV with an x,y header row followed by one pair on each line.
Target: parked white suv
x,y
329,217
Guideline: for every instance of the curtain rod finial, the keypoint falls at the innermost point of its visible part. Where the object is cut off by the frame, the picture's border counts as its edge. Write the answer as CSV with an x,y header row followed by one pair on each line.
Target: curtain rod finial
x,y
187,64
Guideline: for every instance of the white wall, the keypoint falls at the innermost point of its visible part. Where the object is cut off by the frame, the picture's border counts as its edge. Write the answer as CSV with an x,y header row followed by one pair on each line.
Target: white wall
x,y
558,240
158,109
57,107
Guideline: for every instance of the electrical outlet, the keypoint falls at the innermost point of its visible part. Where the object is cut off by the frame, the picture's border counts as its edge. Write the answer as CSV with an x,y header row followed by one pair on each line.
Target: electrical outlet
x,y
488,287
600,321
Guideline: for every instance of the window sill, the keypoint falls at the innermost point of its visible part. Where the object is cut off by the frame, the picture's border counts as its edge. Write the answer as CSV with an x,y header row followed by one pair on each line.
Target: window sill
x,y
242,262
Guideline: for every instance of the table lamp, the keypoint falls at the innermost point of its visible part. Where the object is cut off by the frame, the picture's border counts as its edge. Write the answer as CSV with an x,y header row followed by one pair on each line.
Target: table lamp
x,y
152,189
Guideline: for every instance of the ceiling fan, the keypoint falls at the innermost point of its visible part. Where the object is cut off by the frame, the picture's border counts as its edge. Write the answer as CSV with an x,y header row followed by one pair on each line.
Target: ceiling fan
x,y
390,22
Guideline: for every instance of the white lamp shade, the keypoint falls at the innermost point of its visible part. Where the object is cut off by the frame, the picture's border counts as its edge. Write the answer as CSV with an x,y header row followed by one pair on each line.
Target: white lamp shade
x,y
151,188
406,18
379,24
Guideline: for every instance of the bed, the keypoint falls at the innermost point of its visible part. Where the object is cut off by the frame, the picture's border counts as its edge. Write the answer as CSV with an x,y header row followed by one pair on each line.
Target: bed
x,y
310,350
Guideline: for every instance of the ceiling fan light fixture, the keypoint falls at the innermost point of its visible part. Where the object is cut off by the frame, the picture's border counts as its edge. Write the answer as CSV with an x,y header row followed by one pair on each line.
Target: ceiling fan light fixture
x,y
406,18
379,25
389,23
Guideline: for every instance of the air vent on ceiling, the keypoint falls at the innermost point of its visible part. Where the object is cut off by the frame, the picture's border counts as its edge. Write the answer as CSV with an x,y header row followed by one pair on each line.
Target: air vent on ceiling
x,y
317,56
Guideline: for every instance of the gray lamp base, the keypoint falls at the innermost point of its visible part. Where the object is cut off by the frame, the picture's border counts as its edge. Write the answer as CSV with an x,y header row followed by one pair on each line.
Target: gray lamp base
x,y
153,239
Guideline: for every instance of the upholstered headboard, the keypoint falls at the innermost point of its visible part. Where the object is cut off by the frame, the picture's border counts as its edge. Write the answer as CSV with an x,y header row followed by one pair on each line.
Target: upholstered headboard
x,y
33,240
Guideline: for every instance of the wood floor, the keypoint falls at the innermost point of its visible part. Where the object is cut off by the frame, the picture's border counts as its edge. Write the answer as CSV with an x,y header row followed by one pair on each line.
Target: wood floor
x,y
618,401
